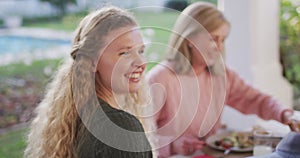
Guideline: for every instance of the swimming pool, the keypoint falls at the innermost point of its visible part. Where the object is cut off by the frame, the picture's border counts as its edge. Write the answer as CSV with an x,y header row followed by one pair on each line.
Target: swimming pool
x,y
28,44
11,44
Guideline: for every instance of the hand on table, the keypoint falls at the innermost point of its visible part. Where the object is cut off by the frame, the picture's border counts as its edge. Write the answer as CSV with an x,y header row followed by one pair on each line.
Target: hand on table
x,y
287,116
290,119
186,145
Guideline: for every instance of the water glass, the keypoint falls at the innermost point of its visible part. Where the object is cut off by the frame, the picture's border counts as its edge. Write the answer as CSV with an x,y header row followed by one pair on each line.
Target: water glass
x,y
262,142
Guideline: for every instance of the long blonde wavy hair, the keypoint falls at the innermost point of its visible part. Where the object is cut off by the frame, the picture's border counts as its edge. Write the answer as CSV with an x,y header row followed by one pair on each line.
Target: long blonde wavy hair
x,y
57,130
197,17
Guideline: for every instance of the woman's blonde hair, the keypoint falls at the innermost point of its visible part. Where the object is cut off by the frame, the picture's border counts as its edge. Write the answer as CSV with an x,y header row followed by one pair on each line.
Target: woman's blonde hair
x,y
57,130
197,17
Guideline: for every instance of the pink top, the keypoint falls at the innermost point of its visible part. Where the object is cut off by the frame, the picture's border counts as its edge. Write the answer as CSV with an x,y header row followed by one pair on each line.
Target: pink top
x,y
192,105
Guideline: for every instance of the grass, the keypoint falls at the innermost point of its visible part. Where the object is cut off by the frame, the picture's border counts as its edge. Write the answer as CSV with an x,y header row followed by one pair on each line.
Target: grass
x,y
24,70
12,144
67,23
156,21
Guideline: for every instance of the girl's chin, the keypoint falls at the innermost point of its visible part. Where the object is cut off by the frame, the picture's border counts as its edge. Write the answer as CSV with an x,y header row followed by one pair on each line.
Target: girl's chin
x,y
134,88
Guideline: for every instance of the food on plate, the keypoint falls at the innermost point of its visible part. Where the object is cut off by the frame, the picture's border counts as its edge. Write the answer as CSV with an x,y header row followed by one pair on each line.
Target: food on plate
x,y
236,139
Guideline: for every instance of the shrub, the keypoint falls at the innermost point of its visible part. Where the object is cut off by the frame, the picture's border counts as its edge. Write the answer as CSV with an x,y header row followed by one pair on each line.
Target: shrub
x,y
289,43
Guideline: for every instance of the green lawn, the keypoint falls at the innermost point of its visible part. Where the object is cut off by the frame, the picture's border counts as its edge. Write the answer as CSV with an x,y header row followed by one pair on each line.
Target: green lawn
x,y
161,24
24,70
12,144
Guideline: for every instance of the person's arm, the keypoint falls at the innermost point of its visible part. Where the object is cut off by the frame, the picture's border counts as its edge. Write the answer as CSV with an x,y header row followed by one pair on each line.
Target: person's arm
x,y
249,100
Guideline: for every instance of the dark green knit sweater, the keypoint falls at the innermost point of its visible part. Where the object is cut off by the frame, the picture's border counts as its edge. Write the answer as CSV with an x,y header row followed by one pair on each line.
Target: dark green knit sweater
x,y
115,134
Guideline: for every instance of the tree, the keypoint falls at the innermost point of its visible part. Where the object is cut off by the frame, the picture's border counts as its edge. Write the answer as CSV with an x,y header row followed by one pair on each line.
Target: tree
x,y
60,4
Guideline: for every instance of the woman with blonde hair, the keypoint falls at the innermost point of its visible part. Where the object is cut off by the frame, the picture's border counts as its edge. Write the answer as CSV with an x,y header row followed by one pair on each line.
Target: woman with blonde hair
x,y
85,112
190,87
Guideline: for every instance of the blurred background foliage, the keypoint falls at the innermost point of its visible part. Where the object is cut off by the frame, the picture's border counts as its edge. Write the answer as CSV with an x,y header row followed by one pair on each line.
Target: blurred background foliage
x,y
61,5
181,4
290,44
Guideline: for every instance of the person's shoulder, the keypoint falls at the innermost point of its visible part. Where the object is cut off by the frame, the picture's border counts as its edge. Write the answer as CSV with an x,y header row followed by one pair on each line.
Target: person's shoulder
x,y
161,70
119,117
230,72
125,120
228,69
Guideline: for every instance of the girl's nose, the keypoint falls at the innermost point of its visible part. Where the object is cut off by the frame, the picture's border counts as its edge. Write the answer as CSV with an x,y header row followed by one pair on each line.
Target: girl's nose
x,y
139,60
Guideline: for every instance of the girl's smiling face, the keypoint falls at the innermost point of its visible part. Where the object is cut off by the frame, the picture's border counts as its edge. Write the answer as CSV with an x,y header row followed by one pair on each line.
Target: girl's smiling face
x,y
122,63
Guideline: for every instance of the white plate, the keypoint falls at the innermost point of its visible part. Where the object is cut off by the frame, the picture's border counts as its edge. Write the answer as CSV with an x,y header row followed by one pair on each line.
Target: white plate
x,y
210,141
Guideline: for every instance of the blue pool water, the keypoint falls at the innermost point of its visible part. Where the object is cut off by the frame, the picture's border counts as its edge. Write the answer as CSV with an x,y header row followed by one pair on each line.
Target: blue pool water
x,y
17,44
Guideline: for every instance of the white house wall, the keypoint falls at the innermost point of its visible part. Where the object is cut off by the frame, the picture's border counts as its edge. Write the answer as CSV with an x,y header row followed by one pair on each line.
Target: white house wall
x,y
252,49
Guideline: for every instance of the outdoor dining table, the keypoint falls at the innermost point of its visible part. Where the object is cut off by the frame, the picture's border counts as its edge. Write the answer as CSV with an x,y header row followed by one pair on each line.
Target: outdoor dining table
x,y
271,125
215,153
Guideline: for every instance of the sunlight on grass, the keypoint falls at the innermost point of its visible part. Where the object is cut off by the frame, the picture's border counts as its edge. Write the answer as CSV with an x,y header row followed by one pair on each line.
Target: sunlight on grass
x,y
67,23
156,28
21,69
